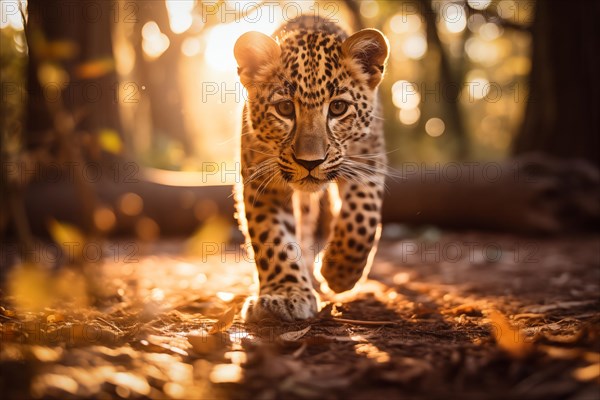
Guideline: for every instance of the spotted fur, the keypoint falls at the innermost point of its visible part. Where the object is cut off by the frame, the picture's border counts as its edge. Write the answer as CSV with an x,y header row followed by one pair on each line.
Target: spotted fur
x,y
311,132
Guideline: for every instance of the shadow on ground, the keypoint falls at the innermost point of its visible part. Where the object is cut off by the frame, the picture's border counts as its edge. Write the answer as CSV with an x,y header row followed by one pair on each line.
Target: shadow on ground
x,y
469,315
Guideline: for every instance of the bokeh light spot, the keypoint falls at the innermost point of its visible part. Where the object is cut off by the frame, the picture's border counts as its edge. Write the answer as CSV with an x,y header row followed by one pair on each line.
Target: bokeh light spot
x,y
435,127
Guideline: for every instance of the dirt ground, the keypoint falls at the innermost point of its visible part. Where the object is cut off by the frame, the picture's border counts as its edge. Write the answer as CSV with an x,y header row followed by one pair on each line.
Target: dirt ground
x,y
467,315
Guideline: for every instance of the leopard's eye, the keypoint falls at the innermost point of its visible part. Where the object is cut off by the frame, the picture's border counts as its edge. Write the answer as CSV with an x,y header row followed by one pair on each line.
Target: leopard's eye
x,y
285,108
337,108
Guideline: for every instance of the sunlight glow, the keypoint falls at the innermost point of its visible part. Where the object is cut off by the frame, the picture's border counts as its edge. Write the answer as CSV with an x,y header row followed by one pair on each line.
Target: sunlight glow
x,y
415,46
477,87
236,357
371,351
223,373
129,381
334,197
157,294
180,14
198,281
409,116
507,9
435,127
221,39
225,296
401,278
455,18
174,390
191,47
183,268
489,31
131,204
479,4
10,14
154,42
104,219
481,52
369,8
475,22
405,95
400,23
236,336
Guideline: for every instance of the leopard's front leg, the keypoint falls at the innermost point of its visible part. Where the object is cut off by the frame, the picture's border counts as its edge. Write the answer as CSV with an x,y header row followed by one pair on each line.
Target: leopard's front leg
x,y
355,234
285,283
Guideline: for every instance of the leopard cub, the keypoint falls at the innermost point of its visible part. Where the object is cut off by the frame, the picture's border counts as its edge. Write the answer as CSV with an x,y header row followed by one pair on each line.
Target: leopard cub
x,y
311,135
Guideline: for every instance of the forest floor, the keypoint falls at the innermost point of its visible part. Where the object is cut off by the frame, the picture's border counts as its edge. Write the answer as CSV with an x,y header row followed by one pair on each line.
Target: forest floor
x,y
466,315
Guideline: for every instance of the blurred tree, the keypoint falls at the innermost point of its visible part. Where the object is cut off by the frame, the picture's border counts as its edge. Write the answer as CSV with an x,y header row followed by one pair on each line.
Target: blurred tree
x,y
451,79
71,71
71,113
160,76
562,117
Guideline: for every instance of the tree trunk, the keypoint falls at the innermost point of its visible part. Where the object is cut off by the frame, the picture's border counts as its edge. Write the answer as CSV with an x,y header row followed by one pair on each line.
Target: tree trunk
x,y
561,117
76,36
161,78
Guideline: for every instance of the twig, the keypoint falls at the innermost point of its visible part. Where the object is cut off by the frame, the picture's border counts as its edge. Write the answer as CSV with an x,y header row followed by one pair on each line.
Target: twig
x,y
109,324
300,350
362,322
7,317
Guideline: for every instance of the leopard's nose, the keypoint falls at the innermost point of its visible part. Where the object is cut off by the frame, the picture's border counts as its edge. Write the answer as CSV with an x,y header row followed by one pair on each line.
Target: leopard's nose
x,y
308,164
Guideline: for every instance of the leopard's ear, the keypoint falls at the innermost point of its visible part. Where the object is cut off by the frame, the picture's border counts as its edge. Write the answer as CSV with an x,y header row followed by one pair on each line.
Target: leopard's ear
x,y
369,47
252,51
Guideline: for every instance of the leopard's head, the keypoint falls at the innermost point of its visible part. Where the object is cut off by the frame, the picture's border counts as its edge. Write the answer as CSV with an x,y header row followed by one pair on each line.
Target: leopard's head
x,y
311,93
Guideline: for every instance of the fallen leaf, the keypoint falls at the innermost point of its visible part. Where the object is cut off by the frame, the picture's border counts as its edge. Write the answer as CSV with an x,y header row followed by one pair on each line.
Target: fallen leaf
x,y
206,343
134,382
68,237
510,339
46,354
294,335
48,383
7,313
54,318
588,373
29,284
204,242
224,322
110,141
165,344
94,69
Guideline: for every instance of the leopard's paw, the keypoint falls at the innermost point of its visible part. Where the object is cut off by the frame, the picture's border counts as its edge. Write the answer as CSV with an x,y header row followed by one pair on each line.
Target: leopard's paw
x,y
283,306
340,279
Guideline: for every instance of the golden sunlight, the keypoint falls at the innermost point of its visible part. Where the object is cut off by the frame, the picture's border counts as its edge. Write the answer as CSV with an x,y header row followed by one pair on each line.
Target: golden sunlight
x,y
222,38
435,127
180,14
405,95
401,23
154,42
222,373
479,4
10,14
415,46
409,116
371,351
453,18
